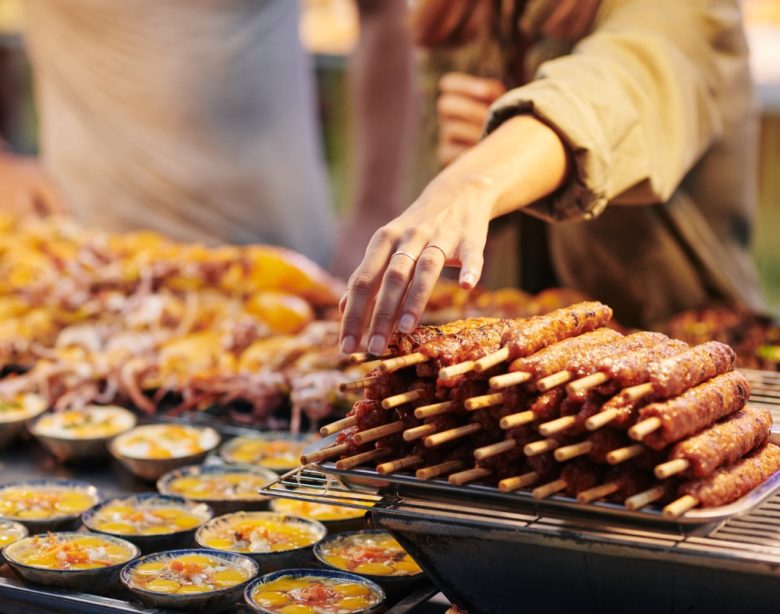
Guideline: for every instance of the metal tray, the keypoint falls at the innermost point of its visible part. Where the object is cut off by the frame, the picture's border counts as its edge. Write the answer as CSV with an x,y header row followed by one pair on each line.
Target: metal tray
x,y
362,478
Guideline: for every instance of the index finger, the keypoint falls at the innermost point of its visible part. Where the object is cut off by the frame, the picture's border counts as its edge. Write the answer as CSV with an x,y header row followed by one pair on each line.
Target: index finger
x,y
362,288
482,88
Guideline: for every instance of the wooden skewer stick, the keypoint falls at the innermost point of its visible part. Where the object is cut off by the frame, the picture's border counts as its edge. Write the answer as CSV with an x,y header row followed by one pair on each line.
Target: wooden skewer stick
x,y
494,449
397,465
491,360
670,468
634,393
518,419
642,429
338,425
364,457
647,497
324,454
401,399
458,369
506,380
597,492
427,411
486,400
573,451
434,471
680,506
621,455
518,481
469,475
539,447
399,362
451,435
418,432
557,426
378,432
553,381
359,384
357,357
369,366
541,492
601,419
587,382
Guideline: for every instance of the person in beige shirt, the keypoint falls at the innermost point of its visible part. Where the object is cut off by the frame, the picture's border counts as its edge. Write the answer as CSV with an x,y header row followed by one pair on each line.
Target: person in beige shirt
x,y
193,118
634,137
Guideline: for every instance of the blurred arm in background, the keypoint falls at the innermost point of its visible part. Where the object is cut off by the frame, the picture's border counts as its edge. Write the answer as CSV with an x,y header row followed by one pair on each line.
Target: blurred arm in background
x,y
383,103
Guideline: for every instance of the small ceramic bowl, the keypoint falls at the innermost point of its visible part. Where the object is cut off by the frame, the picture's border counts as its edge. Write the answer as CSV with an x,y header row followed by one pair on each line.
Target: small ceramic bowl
x,y
336,518
184,483
131,449
16,413
268,560
277,451
392,584
69,517
210,601
10,532
69,436
149,542
250,594
95,580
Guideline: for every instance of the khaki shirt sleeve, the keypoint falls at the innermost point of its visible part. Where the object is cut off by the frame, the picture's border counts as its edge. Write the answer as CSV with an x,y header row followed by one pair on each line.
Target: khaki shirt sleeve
x,y
636,102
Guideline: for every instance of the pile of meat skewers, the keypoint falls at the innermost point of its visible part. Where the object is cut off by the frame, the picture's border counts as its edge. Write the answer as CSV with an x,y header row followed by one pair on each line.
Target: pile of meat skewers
x,y
560,403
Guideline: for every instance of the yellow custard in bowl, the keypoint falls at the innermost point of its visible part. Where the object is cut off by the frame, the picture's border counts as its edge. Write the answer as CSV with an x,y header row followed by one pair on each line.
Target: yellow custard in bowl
x,y
164,441
71,551
44,505
310,591
371,553
90,422
259,532
15,411
277,451
327,513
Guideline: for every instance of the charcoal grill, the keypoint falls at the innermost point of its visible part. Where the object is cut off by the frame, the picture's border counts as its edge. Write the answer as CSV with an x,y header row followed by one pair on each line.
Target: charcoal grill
x,y
489,556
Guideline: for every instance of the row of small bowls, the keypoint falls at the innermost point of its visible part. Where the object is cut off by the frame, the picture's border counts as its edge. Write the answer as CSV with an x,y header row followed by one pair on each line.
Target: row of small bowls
x,y
100,579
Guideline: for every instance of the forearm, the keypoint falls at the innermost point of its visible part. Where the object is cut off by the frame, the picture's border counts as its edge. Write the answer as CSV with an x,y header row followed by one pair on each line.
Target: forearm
x,y
518,164
383,96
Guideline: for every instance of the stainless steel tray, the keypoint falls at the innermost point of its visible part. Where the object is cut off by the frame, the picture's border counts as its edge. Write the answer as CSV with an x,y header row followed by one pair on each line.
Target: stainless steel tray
x,y
360,479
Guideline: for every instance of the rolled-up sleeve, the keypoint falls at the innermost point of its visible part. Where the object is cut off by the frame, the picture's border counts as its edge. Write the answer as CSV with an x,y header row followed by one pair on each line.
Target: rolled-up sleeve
x,y
636,102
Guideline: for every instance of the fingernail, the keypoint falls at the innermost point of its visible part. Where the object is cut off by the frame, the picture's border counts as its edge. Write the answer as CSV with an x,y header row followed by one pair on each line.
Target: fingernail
x,y
376,345
468,279
348,344
406,323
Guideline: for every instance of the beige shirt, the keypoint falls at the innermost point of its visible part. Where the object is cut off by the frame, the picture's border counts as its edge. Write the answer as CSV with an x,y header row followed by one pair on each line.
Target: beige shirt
x,y
657,109
194,118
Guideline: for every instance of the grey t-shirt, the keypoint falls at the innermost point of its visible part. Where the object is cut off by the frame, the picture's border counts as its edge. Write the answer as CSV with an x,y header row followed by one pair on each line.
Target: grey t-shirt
x,y
194,118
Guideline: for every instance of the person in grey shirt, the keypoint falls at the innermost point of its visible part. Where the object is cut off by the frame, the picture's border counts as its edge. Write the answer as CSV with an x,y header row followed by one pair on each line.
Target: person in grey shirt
x,y
194,118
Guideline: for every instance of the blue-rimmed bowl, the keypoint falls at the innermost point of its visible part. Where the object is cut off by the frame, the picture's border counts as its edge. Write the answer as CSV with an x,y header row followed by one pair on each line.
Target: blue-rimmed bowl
x,y
214,601
158,541
315,573
59,522
296,441
96,580
14,532
12,423
295,557
393,585
218,504
151,469
65,447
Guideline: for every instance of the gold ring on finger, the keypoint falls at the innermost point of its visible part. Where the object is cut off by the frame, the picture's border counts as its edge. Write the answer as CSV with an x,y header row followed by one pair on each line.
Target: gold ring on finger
x,y
403,253
443,253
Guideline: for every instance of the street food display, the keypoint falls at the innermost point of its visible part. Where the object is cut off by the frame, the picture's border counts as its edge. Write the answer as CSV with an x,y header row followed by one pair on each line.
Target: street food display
x,y
131,516
89,422
70,551
561,404
315,593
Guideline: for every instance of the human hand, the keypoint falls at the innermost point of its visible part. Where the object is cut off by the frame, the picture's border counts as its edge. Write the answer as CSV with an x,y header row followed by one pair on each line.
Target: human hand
x,y
462,108
26,188
447,225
